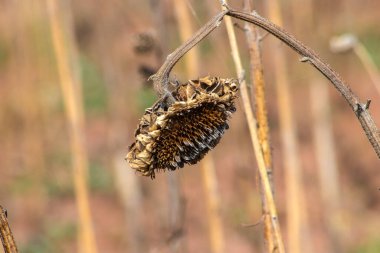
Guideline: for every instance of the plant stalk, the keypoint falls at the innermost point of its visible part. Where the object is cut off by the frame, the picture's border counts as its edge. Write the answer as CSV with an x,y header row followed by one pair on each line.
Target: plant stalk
x,y
258,83
360,109
6,235
71,91
252,123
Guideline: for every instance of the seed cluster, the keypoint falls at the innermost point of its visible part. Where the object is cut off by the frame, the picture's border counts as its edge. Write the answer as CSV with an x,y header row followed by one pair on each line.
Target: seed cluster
x,y
169,136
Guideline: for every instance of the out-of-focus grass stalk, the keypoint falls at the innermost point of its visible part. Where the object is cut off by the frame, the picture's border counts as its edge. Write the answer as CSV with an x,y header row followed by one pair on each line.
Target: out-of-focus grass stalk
x,y
186,30
323,139
302,20
26,60
6,235
128,185
213,204
349,42
340,44
368,63
175,241
293,175
192,61
130,195
71,87
325,154
303,24
253,41
252,123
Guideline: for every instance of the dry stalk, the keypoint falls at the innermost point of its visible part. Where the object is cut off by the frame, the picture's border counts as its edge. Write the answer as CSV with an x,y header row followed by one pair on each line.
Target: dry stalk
x,y
288,129
252,123
253,41
207,164
161,79
70,86
6,235
361,110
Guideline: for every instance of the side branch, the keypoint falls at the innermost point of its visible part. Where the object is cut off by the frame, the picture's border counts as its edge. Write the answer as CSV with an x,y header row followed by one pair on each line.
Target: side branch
x,y
308,55
161,78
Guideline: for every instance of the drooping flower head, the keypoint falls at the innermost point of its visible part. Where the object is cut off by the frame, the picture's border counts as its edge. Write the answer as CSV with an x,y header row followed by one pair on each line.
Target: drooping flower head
x,y
184,130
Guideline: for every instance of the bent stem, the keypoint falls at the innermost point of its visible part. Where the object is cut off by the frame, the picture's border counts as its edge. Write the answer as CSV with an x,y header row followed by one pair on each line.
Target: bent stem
x,y
161,78
361,110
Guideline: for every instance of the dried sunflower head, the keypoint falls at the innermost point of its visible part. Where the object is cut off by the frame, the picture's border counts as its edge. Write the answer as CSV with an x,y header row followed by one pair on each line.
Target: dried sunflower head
x,y
170,135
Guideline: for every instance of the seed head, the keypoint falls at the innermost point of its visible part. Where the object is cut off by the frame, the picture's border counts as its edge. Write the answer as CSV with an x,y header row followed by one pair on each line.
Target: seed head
x,y
172,134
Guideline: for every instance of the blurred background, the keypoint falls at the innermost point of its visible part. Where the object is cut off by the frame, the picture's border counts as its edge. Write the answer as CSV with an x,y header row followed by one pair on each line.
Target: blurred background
x,y
106,50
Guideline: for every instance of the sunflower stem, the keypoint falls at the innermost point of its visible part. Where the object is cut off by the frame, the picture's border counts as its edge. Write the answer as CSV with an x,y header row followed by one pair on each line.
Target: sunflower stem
x,y
364,117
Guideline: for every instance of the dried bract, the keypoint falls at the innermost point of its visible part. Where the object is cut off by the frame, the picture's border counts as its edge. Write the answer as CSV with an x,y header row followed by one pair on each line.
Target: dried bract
x,y
170,135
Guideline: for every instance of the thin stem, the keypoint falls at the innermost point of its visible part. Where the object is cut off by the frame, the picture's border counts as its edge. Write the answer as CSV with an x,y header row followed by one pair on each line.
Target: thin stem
x,y
361,110
252,123
288,130
71,92
6,235
256,68
161,78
